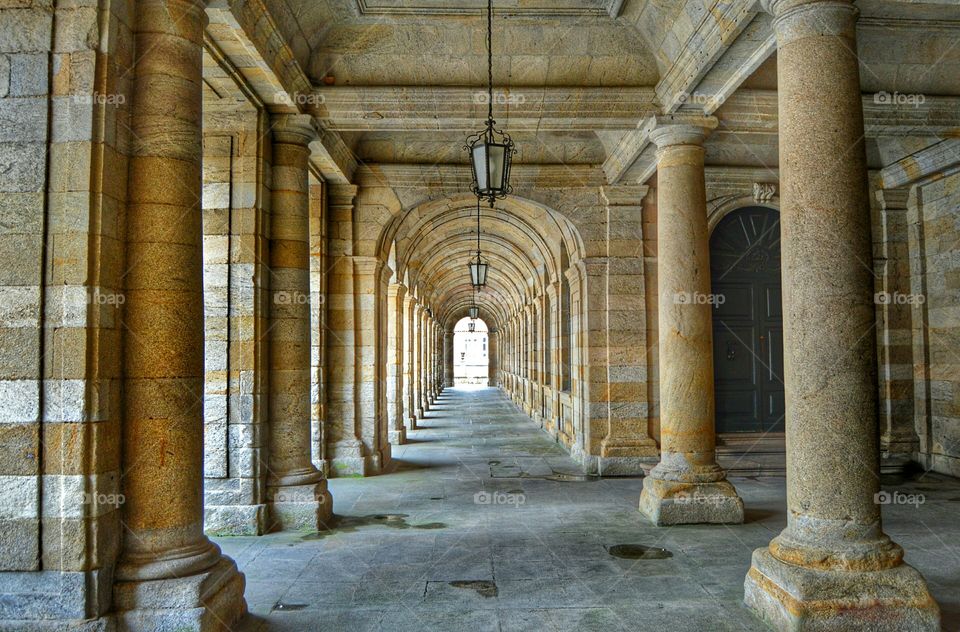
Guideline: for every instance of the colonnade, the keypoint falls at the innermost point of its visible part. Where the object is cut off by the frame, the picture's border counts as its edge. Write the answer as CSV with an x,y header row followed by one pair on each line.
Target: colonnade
x,y
536,353
833,567
566,354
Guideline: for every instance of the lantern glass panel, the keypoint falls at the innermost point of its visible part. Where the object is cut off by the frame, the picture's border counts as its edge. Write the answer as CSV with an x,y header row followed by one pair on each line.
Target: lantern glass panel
x,y
480,168
496,155
478,274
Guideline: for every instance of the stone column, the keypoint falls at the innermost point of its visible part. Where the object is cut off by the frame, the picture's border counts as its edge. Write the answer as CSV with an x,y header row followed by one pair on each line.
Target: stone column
x,y
344,448
441,365
493,358
439,355
536,373
409,371
448,358
437,359
432,362
395,354
894,305
296,490
832,567
686,486
418,360
169,574
424,362
596,391
572,432
368,273
627,445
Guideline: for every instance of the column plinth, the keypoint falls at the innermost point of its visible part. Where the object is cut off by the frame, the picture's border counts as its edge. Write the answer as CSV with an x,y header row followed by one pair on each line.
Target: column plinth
x,y
832,567
169,573
686,486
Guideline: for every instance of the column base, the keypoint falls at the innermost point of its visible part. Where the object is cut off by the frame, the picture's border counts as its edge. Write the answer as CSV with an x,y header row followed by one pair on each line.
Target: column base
x,y
667,502
221,520
349,466
411,423
625,465
398,437
298,507
207,601
347,458
379,461
797,598
420,413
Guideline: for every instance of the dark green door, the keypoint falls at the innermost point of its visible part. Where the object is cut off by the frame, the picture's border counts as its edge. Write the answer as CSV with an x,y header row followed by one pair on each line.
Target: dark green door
x,y
747,321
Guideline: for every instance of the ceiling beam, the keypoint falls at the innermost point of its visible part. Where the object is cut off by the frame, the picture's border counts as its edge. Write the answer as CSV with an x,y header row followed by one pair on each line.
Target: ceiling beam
x,y
461,109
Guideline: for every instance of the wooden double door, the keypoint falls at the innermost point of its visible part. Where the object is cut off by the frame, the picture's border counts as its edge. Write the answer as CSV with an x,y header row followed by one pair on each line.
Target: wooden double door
x,y
747,322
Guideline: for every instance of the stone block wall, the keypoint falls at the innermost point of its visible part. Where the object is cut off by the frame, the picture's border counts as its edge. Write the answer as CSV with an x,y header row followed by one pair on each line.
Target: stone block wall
x,y
64,104
934,242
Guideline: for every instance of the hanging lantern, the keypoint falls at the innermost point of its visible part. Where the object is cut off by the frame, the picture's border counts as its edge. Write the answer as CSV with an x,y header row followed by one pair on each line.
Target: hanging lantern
x,y
474,313
478,269
472,327
478,272
491,150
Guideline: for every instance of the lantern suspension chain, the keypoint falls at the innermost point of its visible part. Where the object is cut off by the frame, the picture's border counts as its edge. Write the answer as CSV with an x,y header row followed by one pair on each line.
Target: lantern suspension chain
x,y
490,61
478,229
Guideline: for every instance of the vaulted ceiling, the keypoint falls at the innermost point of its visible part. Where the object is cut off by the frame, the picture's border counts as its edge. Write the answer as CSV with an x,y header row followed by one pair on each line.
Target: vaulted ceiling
x,y
402,81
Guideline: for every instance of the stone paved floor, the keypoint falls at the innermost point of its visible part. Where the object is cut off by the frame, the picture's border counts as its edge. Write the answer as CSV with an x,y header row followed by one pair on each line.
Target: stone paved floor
x,y
475,531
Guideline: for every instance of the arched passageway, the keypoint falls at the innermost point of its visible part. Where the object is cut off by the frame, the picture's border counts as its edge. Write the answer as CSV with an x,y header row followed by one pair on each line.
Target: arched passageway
x,y
233,248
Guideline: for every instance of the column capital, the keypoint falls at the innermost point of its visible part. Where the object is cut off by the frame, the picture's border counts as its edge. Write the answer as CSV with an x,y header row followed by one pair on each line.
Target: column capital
x,y
365,265
342,194
797,19
294,129
779,8
680,129
623,195
397,291
893,199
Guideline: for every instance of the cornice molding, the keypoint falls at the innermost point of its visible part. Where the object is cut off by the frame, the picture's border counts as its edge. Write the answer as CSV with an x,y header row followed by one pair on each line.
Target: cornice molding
x,y
547,8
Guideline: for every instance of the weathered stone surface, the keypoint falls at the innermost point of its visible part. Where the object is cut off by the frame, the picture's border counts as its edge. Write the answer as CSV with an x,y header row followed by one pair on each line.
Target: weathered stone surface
x,y
168,166
791,597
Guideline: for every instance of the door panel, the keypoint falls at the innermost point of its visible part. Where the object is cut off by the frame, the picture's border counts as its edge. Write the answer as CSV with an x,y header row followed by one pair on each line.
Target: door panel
x,y
748,324
737,303
738,359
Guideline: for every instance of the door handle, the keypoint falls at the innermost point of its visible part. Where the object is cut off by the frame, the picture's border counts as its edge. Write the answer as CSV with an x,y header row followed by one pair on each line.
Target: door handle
x,y
763,344
731,351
